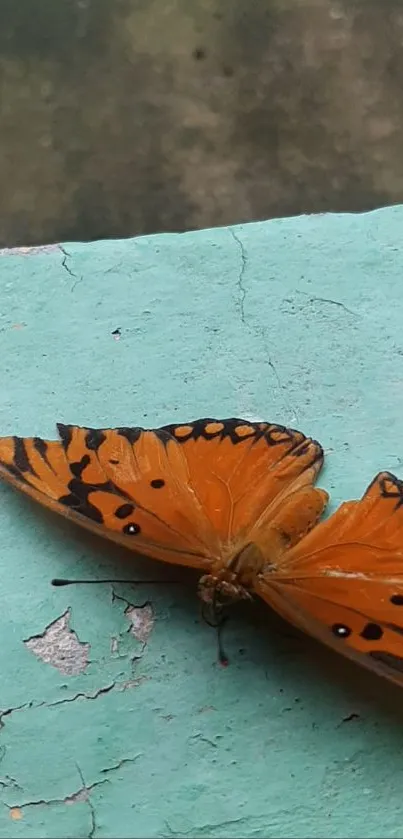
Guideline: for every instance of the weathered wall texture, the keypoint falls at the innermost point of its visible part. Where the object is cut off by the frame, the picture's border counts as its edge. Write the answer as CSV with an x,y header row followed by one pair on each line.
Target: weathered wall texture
x,y
115,718
132,116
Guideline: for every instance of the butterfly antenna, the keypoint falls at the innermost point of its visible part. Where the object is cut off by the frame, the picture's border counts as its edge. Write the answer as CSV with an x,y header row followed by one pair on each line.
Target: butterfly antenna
x,y
221,620
222,656
212,616
59,581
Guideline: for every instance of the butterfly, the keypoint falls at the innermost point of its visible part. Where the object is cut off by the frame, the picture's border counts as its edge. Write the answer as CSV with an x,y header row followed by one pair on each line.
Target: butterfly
x,y
236,500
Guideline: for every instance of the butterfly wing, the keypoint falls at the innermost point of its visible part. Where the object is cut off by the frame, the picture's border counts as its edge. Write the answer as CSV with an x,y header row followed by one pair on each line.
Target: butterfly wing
x,y
343,583
178,493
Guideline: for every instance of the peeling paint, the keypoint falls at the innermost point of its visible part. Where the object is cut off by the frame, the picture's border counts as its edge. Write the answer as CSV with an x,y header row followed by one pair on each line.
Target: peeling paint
x,y
59,646
142,621
7,782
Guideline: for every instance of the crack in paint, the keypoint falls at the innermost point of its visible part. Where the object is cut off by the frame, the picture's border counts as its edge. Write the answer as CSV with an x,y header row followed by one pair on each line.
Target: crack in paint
x,y
80,795
203,739
89,802
89,696
119,686
122,762
259,331
240,284
9,711
209,829
328,300
66,256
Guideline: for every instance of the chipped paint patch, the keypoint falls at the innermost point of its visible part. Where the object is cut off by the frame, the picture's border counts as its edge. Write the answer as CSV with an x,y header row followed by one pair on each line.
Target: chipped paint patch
x,y
60,646
141,621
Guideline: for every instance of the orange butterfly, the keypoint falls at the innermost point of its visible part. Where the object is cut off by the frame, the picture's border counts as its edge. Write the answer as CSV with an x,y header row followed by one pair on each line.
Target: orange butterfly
x,y
236,500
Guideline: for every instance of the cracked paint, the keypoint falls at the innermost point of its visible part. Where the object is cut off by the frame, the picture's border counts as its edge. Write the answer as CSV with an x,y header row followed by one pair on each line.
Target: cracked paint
x,y
85,790
59,646
240,284
259,331
338,303
141,620
82,794
122,685
90,696
65,264
7,711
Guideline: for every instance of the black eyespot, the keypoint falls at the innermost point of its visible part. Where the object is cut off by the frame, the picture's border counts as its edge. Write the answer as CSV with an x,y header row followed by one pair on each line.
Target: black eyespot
x,y
132,529
397,599
372,632
114,462
157,483
124,511
341,630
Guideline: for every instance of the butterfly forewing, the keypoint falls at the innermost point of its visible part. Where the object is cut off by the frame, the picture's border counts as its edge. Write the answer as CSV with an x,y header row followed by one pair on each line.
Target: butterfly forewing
x,y
181,493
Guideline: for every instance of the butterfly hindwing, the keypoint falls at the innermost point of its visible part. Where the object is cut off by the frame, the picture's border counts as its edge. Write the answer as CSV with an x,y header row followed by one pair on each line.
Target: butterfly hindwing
x,y
343,583
180,493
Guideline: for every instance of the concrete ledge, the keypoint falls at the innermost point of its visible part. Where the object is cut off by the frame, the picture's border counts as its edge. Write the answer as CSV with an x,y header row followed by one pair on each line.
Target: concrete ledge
x,y
298,321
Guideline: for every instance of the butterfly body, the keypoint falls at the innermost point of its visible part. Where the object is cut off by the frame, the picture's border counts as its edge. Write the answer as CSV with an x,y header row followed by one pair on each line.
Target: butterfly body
x,y
237,501
232,580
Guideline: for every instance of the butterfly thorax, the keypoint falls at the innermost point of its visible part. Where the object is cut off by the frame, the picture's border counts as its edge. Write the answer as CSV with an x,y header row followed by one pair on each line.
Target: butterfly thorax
x,y
232,578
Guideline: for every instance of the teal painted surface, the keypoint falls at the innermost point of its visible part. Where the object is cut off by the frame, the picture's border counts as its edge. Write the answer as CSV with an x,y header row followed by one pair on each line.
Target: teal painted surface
x,y
297,321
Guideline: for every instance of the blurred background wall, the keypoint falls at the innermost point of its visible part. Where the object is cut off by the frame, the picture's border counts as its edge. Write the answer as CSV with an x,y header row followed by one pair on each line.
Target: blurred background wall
x,y
121,117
